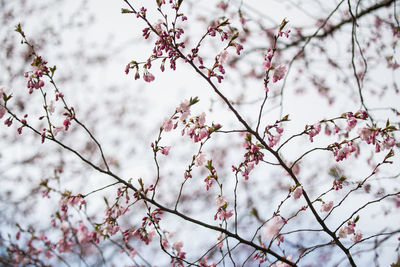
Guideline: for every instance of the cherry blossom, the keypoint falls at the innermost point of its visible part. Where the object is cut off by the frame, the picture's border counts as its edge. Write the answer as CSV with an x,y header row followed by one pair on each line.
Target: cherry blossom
x,y
165,150
148,77
279,73
2,111
326,206
167,124
298,192
357,236
314,130
200,159
273,226
221,201
178,245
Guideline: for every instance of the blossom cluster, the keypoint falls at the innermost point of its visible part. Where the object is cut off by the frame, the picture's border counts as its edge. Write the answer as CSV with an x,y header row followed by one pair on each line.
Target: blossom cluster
x,y
252,157
35,80
350,229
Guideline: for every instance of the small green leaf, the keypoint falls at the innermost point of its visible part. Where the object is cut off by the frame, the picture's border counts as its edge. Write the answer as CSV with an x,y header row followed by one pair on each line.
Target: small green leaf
x,y
225,22
194,100
285,118
125,11
236,35
6,98
18,29
390,154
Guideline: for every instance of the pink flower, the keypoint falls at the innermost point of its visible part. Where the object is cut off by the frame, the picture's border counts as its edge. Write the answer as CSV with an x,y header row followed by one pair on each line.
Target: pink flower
x,y
314,130
165,243
57,130
368,135
273,140
273,227
357,236
148,77
342,233
178,246
184,108
349,229
2,111
389,142
221,201
297,192
202,119
239,48
266,64
279,73
327,206
351,122
67,123
165,150
223,57
200,159
223,214
167,125
203,133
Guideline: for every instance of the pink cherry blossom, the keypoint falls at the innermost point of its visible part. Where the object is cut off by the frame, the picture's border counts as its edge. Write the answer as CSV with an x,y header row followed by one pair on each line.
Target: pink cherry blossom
x,y
202,119
165,150
184,108
327,206
224,214
67,123
357,236
298,192
273,140
148,77
127,68
349,229
342,233
266,64
314,130
200,159
57,130
2,111
221,201
203,133
368,135
273,227
178,246
223,57
167,125
279,73
351,121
